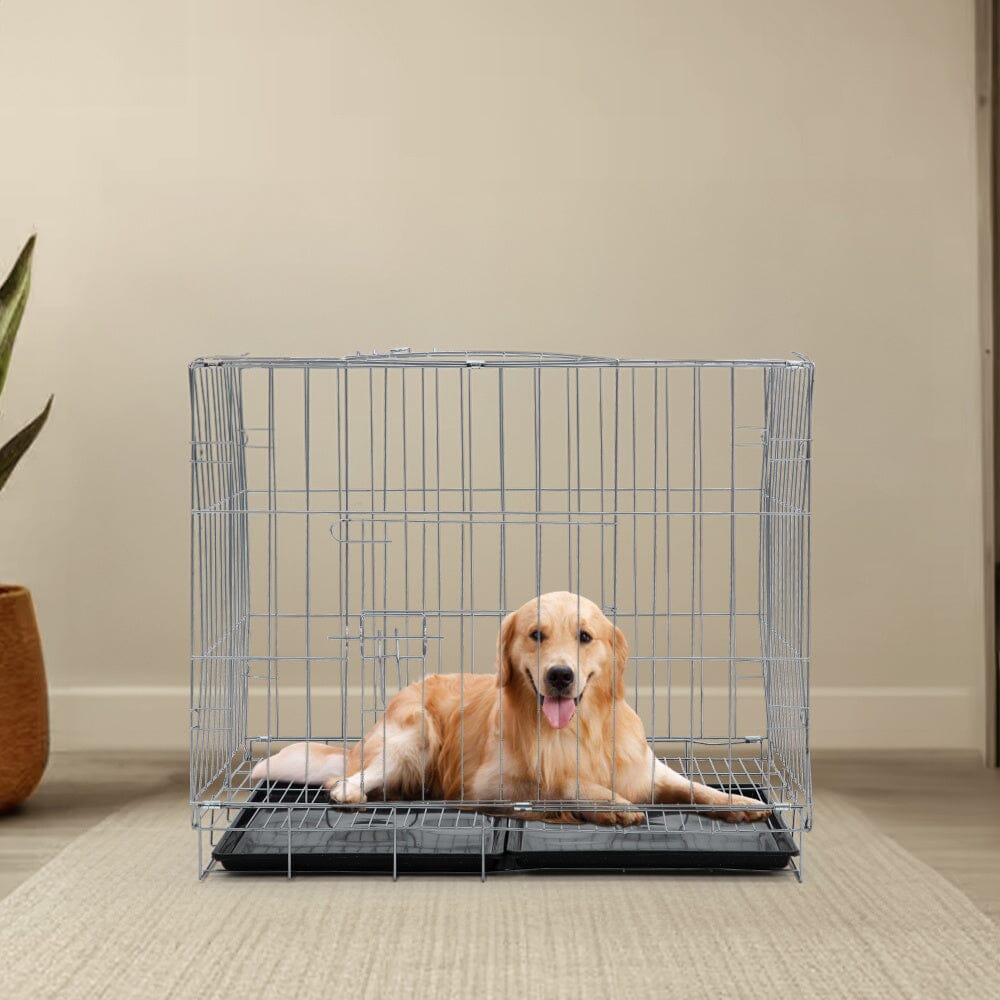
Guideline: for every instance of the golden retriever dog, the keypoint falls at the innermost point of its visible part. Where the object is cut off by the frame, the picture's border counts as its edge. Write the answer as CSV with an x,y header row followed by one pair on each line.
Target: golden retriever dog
x,y
542,729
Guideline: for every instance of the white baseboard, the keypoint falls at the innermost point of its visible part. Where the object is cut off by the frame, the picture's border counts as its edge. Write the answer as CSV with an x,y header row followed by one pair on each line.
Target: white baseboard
x,y
157,718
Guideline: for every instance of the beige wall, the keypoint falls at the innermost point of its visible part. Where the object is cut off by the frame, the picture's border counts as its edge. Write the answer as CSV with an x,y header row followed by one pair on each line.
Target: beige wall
x,y
642,179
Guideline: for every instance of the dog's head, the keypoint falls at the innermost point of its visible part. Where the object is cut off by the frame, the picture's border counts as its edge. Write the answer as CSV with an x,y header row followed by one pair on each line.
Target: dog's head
x,y
561,650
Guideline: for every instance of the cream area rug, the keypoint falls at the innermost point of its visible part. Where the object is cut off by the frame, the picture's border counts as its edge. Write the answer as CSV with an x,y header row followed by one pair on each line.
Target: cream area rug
x,y
120,914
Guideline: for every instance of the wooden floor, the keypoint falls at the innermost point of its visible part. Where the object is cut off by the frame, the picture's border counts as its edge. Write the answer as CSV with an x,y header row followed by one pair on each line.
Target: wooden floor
x,y
942,807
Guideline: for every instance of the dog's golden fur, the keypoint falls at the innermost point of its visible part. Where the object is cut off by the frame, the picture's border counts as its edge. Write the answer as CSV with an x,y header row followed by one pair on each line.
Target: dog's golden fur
x,y
445,737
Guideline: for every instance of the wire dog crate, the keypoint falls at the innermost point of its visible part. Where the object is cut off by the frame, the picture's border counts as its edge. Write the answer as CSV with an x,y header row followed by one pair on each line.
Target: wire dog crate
x,y
360,524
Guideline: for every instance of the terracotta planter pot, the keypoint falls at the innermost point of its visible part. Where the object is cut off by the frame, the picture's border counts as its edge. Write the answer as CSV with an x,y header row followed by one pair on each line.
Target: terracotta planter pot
x,y
24,704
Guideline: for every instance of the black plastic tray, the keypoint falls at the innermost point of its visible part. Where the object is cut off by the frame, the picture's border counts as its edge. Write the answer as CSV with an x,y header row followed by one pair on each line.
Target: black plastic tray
x,y
337,841
459,841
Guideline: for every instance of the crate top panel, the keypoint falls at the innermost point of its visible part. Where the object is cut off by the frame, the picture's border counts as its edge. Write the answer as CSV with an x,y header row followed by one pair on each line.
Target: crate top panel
x,y
403,357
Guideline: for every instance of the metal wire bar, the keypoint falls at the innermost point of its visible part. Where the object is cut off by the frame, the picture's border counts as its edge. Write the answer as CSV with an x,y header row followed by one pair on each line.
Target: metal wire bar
x,y
403,357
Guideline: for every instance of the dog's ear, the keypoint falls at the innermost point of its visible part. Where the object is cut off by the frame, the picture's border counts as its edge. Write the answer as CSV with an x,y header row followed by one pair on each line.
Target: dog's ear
x,y
621,659
505,665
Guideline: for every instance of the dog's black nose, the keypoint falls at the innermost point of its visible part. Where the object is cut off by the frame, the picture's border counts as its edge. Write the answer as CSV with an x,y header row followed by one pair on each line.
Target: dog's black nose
x,y
559,678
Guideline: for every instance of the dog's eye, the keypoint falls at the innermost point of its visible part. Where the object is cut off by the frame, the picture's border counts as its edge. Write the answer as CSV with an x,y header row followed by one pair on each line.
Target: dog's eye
x,y
536,635
585,637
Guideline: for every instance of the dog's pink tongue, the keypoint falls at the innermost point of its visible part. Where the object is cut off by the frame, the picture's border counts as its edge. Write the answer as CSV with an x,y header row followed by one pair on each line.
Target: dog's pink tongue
x,y
558,711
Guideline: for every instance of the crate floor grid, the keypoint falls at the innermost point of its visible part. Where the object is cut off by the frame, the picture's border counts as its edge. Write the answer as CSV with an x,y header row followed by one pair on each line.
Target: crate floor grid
x,y
290,828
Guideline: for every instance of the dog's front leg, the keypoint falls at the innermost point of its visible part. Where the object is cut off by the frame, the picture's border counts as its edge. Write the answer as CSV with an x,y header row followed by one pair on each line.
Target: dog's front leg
x,y
674,789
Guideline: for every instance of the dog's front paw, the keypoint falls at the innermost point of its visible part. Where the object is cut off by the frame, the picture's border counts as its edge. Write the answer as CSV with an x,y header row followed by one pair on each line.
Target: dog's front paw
x,y
756,811
614,818
345,791
629,818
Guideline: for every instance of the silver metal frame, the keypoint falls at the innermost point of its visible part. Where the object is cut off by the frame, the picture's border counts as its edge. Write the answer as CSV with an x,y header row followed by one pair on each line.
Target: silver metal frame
x,y
359,523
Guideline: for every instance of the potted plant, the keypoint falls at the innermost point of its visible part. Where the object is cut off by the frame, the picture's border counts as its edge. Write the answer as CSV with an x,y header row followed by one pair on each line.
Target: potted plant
x,y
24,714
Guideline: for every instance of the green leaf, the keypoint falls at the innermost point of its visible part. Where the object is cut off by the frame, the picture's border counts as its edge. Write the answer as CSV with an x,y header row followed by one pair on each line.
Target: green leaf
x,y
13,298
13,451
